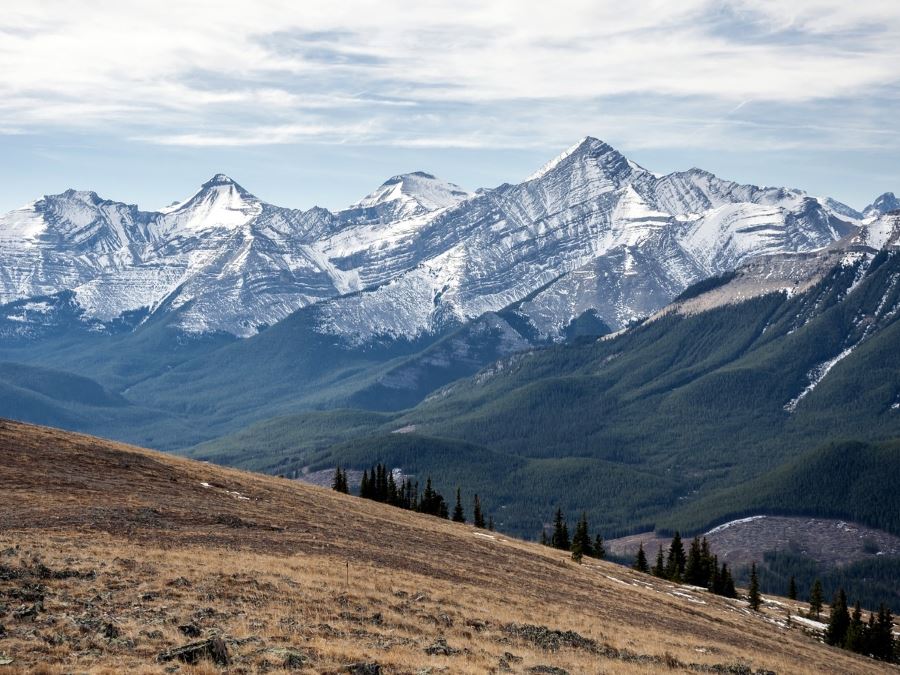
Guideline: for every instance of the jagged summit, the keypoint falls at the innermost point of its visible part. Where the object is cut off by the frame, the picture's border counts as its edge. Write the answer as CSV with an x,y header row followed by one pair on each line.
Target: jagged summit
x,y
587,146
883,204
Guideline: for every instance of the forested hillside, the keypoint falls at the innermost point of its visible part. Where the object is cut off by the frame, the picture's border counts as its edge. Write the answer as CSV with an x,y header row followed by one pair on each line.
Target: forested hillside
x,y
655,426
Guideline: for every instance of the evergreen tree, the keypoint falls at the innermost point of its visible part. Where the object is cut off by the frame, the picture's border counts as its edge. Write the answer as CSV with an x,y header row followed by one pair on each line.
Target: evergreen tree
x,y
640,562
426,503
599,549
693,569
856,637
676,560
381,485
432,502
339,482
839,621
458,516
659,569
490,523
364,490
728,589
582,538
560,538
715,579
477,515
392,493
708,564
753,594
816,598
577,553
792,588
881,636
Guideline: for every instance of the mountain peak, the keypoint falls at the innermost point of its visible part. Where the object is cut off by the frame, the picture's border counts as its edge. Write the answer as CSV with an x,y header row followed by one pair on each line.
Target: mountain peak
x,y
220,202
413,193
883,204
220,179
587,146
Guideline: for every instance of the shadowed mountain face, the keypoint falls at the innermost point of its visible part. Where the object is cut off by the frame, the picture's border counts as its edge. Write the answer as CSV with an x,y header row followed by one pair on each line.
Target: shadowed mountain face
x,y
590,231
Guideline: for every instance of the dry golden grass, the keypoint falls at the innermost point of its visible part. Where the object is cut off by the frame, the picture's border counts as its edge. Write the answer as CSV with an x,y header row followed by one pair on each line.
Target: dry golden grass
x,y
125,545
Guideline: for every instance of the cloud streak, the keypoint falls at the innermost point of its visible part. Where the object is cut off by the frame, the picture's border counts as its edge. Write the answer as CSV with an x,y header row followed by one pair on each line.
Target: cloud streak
x,y
453,74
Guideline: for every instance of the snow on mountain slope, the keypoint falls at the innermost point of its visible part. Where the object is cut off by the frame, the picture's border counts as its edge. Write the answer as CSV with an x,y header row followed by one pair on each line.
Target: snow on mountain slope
x,y
881,232
591,230
405,196
884,204
220,202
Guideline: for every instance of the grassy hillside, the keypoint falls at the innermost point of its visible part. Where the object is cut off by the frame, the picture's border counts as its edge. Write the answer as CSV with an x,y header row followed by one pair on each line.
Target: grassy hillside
x,y
292,576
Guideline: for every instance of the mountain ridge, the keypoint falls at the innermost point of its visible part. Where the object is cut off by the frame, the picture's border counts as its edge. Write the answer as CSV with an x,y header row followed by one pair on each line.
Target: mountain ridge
x,y
244,264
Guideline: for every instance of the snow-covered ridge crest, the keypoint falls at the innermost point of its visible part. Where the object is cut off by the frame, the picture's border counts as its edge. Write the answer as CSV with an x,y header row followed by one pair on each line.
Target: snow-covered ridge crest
x,y
556,161
591,231
423,188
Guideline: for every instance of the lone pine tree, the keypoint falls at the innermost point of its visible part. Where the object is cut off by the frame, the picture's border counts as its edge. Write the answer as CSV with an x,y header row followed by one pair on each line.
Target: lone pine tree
x,y
676,561
659,569
458,516
640,562
753,594
582,538
816,598
560,538
477,515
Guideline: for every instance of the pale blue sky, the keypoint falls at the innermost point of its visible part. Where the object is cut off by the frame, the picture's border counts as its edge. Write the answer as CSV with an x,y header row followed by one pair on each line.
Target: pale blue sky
x,y
318,105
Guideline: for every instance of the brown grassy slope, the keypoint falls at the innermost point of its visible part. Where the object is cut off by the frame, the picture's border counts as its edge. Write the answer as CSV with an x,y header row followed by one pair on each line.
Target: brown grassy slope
x,y
106,549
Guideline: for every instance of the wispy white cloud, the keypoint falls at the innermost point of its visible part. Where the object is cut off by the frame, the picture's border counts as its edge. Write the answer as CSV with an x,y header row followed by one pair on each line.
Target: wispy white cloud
x,y
451,74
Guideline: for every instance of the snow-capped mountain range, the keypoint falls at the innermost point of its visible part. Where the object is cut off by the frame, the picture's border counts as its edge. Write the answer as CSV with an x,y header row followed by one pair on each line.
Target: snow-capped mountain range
x,y
590,231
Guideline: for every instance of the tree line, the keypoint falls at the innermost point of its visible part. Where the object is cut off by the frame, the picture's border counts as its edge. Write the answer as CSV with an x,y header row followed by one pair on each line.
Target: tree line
x,y
699,566
874,638
379,484
579,544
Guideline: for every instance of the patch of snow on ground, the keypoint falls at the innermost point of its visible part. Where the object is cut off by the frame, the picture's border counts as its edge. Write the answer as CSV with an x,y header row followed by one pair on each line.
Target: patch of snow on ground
x,y
816,375
731,523
811,623
688,597
625,583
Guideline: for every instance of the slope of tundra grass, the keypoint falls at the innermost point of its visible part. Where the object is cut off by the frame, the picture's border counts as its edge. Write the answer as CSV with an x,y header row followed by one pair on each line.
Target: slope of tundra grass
x,y
110,555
